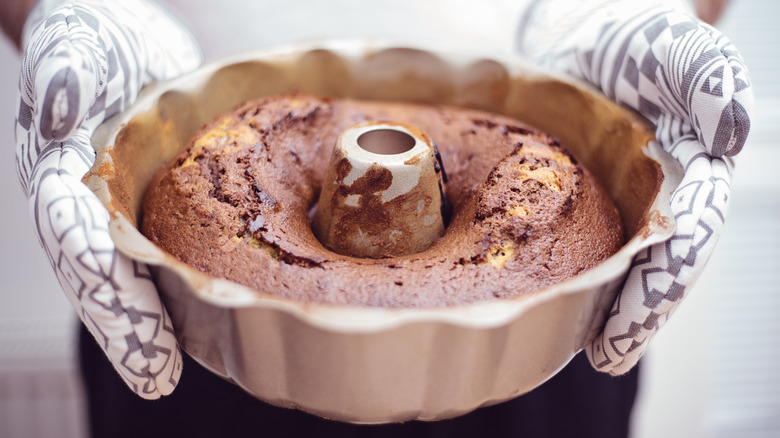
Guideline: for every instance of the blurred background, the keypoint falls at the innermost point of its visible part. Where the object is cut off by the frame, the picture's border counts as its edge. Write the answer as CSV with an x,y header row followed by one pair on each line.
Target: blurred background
x,y
711,372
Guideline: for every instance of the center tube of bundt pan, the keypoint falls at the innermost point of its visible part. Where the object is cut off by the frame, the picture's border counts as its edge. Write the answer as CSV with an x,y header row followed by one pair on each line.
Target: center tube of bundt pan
x,y
382,195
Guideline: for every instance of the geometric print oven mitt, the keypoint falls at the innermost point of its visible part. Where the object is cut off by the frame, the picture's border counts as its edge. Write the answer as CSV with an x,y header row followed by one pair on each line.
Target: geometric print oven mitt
x,y
83,62
690,82
86,61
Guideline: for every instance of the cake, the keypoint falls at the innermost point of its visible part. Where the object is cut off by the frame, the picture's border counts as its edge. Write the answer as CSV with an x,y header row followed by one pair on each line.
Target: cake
x,y
237,203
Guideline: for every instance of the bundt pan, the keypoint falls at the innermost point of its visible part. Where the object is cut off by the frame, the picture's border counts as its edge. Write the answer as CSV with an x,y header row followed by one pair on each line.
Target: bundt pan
x,y
376,365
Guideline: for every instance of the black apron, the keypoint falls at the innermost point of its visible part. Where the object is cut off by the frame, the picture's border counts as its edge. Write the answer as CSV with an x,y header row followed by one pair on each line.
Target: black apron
x,y
577,402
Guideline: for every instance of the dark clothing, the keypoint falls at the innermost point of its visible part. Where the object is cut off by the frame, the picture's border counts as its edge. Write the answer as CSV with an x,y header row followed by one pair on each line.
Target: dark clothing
x,y
577,402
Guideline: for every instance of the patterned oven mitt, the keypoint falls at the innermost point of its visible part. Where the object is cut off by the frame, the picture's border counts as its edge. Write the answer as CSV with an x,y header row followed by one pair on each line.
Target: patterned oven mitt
x,y
84,62
690,81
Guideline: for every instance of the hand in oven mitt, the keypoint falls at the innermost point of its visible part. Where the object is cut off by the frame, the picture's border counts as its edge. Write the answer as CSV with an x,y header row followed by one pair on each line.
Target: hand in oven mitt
x,y
84,62
688,80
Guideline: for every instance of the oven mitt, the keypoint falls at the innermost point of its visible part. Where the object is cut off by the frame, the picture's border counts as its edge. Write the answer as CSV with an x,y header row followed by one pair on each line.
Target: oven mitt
x,y
691,83
84,62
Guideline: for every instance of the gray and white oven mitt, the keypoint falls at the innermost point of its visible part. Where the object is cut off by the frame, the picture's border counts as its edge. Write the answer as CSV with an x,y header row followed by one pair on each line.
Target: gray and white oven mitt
x,y
688,80
84,62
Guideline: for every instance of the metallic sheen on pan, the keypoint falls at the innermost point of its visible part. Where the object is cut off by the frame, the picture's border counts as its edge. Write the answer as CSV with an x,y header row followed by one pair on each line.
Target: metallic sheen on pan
x,y
374,365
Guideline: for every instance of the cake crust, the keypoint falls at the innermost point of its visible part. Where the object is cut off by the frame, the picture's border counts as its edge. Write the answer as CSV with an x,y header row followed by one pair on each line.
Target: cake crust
x,y
237,204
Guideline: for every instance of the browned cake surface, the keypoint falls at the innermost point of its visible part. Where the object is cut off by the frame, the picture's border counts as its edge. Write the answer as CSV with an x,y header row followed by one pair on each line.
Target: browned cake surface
x,y
236,204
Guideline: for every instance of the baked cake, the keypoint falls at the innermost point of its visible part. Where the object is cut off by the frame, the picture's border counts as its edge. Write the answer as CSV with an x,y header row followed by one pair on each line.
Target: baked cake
x,y
238,203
